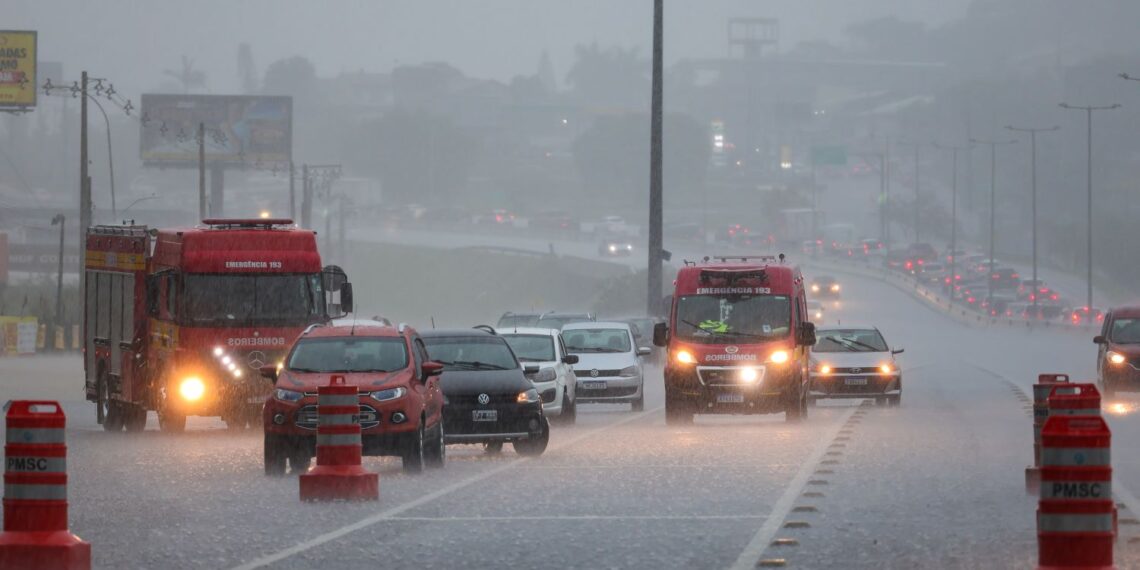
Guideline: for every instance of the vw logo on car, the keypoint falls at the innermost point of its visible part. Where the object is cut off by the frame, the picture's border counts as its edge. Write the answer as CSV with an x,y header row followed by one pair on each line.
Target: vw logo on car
x,y
594,373
484,399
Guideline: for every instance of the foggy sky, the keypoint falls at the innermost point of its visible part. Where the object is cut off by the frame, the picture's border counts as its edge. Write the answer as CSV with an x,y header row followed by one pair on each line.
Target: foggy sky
x,y
132,42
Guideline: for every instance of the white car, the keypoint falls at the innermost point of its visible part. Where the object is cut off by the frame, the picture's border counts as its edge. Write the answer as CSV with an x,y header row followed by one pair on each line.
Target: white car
x,y
854,362
609,363
555,377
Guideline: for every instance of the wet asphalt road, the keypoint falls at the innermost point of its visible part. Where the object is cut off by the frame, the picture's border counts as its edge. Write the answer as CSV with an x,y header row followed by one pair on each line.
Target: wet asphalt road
x,y
936,483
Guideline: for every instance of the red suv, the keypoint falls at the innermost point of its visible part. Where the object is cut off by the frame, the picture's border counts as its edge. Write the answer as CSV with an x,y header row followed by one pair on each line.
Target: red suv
x,y
401,403
1118,355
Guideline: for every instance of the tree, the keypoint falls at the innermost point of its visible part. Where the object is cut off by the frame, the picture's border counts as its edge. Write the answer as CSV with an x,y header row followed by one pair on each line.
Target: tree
x,y
187,76
247,71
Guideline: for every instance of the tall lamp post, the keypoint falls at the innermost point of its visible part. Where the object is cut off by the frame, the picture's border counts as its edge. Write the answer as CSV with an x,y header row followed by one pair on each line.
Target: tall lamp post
x,y
953,257
993,208
653,298
1033,185
59,220
1088,109
917,189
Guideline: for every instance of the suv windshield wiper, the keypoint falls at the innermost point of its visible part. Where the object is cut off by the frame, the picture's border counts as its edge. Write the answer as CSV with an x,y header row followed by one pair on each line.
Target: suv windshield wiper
x,y
478,365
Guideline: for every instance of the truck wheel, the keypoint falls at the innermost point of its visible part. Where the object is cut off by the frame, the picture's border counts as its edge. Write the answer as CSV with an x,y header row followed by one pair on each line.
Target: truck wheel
x,y
677,413
172,422
493,447
135,420
435,455
413,454
110,411
795,409
274,454
534,446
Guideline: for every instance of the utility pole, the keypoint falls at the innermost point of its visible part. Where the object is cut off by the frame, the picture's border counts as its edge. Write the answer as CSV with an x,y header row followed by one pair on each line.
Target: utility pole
x,y
201,171
1033,193
306,197
653,298
85,205
292,193
1088,109
58,219
993,203
917,187
953,216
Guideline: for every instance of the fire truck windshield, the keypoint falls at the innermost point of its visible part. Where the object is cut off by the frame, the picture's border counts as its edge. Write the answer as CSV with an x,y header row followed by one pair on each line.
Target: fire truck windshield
x,y
243,300
732,318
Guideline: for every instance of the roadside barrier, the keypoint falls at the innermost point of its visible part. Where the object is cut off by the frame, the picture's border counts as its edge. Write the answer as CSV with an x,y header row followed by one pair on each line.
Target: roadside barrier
x,y
1074,400
35,491
338,475
1041,390
1076,516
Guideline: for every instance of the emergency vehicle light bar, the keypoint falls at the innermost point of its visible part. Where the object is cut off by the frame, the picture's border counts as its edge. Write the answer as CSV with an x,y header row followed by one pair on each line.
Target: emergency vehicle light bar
x,y
237,223
741,258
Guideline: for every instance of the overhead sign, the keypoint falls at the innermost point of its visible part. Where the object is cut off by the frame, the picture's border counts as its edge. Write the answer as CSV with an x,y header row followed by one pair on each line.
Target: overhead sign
x,y
17,68
239,128
829,155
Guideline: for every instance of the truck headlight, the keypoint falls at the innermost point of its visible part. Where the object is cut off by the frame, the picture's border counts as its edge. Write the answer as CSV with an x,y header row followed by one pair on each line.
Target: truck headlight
x,y
779,357
1116,358
685,357
192,389
527,397
749,375
287,395
389,394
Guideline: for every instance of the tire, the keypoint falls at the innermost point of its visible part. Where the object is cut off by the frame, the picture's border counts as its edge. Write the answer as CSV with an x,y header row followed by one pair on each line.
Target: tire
x,y
881,401
413,454
299,458
135,420
569,411
110,411
435,456
533,447
171,422
894,401
795,408
638,405
274,455
493,447
677,413
1107,390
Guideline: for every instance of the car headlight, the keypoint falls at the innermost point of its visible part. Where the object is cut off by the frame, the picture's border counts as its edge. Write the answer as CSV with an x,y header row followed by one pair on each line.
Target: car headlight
x,y
835,288
819,314
527,397
1116,358
824,369
628,372
544,375
389,394
287,395
685,357
192,389
814,288
885,368
779,357
629,247
613,248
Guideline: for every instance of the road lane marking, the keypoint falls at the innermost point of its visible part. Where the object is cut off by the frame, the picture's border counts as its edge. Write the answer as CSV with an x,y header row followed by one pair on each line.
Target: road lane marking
x,y
582,518
396,510
759,543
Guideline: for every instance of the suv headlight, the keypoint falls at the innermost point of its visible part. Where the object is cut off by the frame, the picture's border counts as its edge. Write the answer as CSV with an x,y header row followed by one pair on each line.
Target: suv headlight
x,y
1116,358
287,395
389,394
527,397
628,372
544,375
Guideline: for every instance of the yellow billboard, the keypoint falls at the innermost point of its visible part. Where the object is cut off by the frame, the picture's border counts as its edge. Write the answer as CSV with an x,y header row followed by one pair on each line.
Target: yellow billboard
x,y
17,68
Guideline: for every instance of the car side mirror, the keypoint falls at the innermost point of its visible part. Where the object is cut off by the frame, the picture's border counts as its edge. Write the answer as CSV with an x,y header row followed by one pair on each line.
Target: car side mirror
x,y
898,351
1099,339
807,334
431,368
644,351
570,359
530,369
660,334
269,372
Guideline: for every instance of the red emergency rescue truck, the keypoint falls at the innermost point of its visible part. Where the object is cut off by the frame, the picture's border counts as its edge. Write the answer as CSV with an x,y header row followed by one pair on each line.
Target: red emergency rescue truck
x,y
181,320
738,339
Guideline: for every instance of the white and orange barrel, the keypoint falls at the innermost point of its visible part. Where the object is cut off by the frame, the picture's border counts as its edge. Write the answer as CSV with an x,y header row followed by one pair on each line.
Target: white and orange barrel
x,y
339,474
1076,516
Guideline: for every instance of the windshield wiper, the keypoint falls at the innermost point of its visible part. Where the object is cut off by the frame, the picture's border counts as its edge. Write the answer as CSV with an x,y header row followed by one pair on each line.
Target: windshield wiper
x,y
303,370
479,365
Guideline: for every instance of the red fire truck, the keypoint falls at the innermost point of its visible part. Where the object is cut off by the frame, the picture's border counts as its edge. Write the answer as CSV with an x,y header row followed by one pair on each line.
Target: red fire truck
x,y
181,320
738,339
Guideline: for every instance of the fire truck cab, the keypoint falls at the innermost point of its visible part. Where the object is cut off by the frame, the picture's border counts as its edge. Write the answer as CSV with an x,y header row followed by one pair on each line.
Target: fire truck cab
x,y
738,339
180,321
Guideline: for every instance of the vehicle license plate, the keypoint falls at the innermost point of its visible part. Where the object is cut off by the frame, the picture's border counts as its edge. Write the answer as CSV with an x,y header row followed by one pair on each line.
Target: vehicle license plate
x,y
855,381
730,398
485,415
594,385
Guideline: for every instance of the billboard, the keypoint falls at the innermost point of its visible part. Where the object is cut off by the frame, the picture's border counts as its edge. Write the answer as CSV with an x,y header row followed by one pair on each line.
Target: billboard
x,y
17,68
239,128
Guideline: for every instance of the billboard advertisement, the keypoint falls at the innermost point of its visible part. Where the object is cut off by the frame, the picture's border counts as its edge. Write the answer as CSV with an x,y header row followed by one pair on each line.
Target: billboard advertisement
x,y
239,128
17,68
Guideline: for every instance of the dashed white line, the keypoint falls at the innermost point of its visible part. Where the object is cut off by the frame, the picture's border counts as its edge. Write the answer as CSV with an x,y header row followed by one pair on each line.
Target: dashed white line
x,y
583,518
392,512
783,506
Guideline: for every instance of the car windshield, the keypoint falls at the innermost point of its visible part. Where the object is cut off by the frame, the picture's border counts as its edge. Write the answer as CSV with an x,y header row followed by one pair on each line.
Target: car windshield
x,y
348,354
531,347
516,321
849,340
731,318
482,352
1125,331
241,300
582,341
557,322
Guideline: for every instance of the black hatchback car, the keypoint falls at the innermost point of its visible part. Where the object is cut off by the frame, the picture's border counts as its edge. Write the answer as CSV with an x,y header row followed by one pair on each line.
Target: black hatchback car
x,y
487,398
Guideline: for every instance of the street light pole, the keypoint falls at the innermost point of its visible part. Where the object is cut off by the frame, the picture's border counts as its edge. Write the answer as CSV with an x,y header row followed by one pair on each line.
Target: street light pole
x,y
653,298
1088,109
917,190
1033,184
993,209
59,219
953,216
